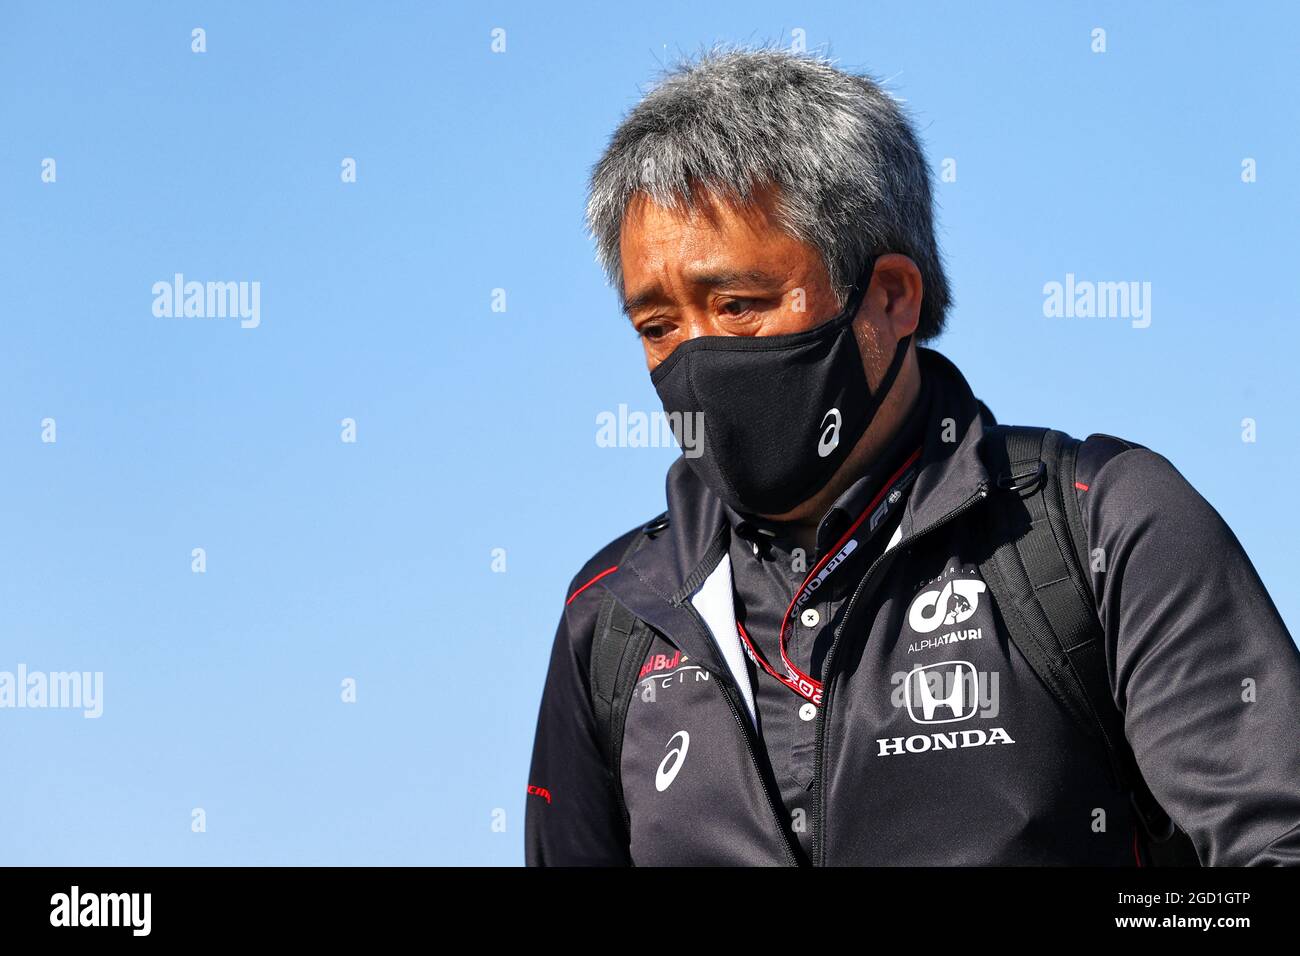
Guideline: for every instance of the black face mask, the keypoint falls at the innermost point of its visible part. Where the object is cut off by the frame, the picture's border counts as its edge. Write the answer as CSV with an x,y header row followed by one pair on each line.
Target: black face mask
x,y
780,412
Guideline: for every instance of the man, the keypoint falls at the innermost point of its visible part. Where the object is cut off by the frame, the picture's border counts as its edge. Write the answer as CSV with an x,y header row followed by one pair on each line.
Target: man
x,y
874,627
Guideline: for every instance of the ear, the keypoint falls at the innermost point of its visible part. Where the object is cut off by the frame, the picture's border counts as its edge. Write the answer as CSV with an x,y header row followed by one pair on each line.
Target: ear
x,y
893,300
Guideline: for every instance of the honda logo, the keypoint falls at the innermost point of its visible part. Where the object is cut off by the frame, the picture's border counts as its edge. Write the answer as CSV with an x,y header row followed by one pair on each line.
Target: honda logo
x,y
942,693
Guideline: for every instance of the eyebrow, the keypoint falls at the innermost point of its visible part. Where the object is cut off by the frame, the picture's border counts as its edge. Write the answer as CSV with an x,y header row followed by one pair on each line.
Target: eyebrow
x,y
718,277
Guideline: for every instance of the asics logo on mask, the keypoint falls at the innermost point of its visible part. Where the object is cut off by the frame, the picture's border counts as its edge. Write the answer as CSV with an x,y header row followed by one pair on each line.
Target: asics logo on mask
x,y
830,434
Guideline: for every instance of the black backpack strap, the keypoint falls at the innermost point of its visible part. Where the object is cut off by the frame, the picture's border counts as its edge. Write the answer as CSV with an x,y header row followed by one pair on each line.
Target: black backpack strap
x,y
619,645
1048,615
1037,574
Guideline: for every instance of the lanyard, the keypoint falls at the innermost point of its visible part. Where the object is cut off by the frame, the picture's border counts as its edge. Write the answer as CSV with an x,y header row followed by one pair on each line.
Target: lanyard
x,y
881,505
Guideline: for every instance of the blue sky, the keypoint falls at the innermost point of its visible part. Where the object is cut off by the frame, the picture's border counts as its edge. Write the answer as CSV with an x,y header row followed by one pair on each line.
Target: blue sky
x,y
476,429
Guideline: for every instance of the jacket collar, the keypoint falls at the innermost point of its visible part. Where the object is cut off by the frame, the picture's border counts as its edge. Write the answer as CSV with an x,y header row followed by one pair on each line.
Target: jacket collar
x,y
952,470
658,581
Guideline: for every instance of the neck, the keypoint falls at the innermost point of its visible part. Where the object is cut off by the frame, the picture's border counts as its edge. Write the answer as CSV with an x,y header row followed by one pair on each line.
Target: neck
x,y
878,440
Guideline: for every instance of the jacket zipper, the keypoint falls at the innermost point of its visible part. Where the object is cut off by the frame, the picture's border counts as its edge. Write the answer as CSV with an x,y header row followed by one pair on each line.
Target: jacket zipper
x,y
819,844
790,857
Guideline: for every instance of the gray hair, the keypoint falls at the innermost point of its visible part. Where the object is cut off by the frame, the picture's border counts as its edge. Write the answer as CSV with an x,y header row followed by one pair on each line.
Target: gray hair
x,y
850,175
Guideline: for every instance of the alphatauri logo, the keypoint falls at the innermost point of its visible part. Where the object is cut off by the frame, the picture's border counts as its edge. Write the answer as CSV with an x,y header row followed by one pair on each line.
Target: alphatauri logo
x,y
672,762
830,433
951,604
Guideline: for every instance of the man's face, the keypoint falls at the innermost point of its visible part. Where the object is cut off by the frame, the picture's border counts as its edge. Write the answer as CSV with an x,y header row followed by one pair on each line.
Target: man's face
x,y
727,269
717,269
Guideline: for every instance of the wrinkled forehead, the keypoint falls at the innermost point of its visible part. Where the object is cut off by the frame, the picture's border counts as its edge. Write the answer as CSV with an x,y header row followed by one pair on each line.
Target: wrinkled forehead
x,y
709,231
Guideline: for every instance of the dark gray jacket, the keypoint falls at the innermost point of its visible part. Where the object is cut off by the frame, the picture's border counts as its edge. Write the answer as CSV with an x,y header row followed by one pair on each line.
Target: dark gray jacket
x,y
1200,664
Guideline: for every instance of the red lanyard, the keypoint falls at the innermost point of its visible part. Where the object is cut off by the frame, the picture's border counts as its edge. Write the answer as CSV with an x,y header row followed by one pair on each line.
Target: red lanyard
x,y
804,684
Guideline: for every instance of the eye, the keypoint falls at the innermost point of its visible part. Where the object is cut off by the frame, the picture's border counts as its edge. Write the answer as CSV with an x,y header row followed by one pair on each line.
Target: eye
x,y
652,331
735,307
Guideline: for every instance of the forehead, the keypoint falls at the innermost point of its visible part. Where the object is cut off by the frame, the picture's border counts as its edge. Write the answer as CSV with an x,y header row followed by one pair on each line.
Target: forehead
x,y
707,217
708,233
